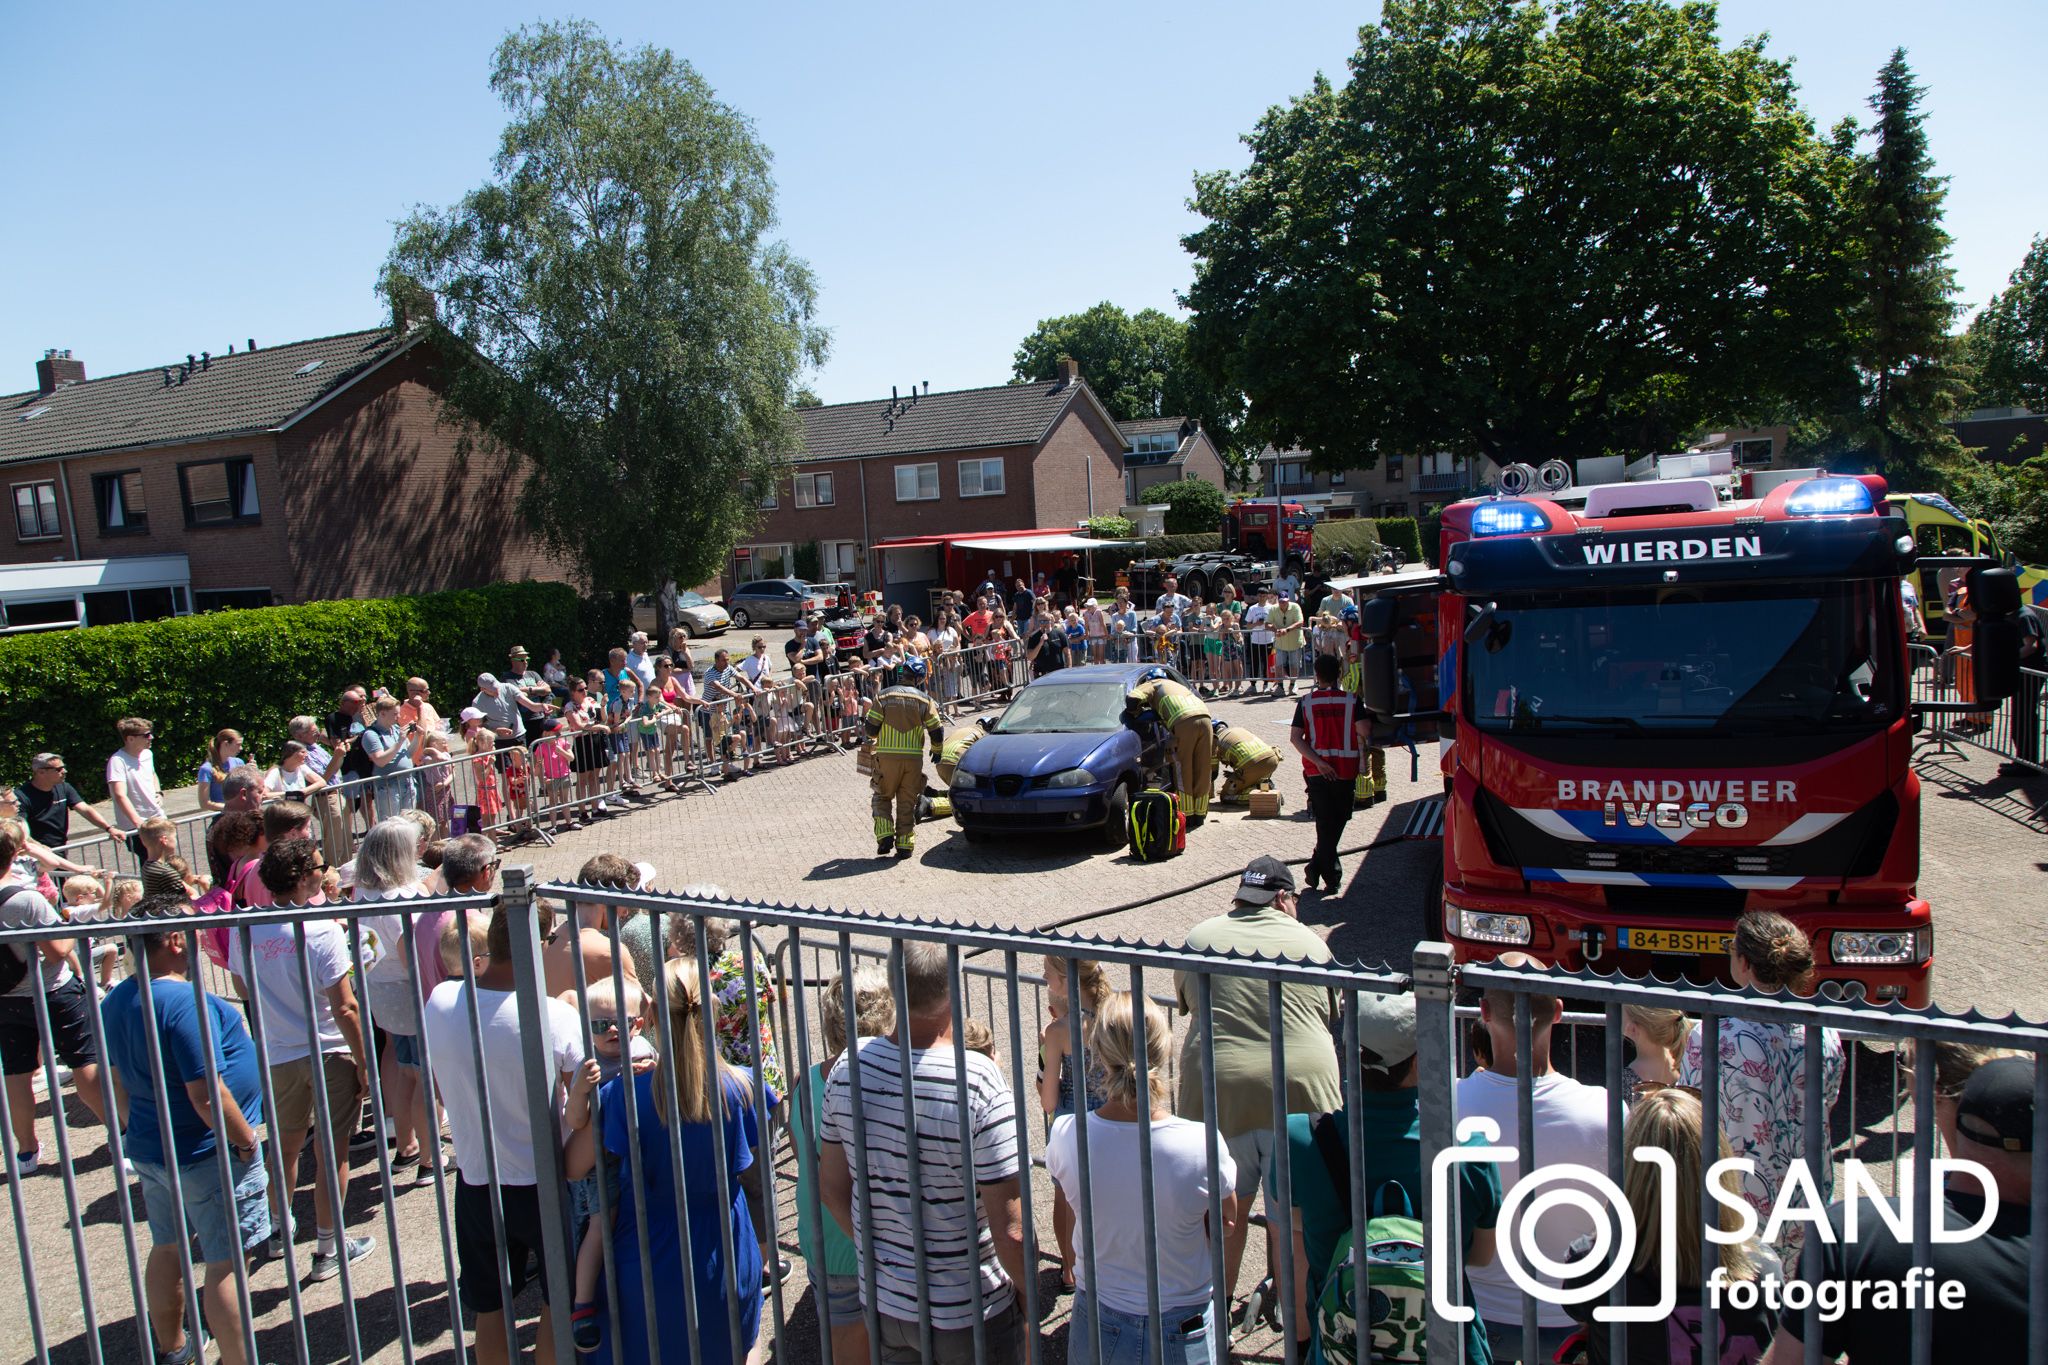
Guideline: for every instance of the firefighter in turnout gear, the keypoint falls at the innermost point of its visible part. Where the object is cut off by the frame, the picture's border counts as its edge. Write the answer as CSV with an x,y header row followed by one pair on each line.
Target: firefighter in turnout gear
x,y
1329,731
1249,761
899,723
1184,716
955,747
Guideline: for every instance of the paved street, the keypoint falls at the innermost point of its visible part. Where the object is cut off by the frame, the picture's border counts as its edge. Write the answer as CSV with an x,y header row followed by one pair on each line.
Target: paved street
x,y
801,835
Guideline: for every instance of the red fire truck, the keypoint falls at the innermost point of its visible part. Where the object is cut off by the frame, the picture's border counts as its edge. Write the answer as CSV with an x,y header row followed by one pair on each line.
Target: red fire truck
x,y
1248,529
1662,705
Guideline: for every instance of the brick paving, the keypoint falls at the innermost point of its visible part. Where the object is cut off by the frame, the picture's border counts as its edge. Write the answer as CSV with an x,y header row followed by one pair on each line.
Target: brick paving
x,y
801,835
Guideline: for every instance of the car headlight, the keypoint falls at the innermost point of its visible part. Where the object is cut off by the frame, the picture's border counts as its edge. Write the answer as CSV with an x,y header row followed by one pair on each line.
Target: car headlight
x,y
963,780
1869,948
1488,927
1072,777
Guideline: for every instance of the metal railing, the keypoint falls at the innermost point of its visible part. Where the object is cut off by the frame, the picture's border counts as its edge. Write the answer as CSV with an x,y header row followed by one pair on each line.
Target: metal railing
x,y
777,955
2015,729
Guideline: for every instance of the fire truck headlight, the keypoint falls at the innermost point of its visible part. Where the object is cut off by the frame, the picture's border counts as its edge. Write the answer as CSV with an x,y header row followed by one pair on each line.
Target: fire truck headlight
x,y
1862,948
1486,927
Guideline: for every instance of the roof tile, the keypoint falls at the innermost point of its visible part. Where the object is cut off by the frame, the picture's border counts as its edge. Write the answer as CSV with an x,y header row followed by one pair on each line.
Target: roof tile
x,y
964,419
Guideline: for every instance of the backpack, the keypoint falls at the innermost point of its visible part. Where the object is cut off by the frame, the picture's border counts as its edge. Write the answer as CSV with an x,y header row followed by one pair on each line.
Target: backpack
x,y
1159,828
1396,1306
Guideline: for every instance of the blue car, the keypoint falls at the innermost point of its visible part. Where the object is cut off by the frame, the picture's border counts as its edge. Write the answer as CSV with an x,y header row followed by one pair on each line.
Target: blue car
x,y
1063,757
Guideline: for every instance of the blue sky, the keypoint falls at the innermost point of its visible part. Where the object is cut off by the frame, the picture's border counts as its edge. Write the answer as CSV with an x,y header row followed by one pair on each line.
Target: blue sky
x,y
190,175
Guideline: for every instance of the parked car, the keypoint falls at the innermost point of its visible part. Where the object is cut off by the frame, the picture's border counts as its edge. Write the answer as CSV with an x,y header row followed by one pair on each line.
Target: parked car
x,y
1064,756
698,616
770,602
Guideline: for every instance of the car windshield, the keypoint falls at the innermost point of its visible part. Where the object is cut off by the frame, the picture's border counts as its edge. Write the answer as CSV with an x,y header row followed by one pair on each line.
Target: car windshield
x,y
1778,659
692,599
1053,707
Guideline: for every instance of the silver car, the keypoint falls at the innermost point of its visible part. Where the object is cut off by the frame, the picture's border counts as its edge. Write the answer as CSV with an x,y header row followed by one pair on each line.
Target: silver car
x,y
696,616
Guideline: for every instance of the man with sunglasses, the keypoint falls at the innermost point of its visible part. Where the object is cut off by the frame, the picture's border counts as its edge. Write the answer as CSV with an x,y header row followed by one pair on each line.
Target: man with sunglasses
x,y
47,801
132,780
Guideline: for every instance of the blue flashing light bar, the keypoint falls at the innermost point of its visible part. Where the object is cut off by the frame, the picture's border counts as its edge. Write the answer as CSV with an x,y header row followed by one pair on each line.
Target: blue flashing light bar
x,y
1829,497
1508,517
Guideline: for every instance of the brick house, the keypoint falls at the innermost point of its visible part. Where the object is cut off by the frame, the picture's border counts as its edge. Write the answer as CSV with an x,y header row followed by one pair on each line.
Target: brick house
x,y
1011,457
319,469
1165,450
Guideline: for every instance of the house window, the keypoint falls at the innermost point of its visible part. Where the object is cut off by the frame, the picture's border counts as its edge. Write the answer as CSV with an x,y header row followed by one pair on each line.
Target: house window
x,y
814,490
220,493
231,599
57,612
1397,468
751,562
917,482
981,478
1293,475
137,604
35,510
1394,509
769,500
118,500
1337,479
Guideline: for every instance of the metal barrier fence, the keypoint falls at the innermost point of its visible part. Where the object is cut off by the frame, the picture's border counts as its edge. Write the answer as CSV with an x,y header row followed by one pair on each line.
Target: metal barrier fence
x,y
752,987
2015,729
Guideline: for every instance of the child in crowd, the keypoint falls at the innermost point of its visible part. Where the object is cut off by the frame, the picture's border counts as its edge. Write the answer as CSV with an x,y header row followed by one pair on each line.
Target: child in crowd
x,y
490,797
645,729
978,1037
833,1257
613,1032
86,900
437,779
1659,1036
552,754
1056,1072
515,783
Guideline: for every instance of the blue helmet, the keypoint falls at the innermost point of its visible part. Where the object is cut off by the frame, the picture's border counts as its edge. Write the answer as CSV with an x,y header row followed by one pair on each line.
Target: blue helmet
x,y
913,668
1219,727
1349,614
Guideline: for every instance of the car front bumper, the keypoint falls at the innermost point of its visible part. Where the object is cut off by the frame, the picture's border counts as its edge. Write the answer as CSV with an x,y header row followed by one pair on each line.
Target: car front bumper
x,y
1042,809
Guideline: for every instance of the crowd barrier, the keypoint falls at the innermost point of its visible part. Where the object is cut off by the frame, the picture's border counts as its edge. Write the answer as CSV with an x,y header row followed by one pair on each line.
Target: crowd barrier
x,y
2015,729
70,1310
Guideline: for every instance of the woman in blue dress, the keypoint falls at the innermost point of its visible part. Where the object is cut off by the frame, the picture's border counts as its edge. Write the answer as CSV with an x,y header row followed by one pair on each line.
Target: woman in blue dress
x,y
725,1097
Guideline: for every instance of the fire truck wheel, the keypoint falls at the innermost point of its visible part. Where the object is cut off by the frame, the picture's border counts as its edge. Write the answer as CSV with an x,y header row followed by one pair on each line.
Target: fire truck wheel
x,y
1433,912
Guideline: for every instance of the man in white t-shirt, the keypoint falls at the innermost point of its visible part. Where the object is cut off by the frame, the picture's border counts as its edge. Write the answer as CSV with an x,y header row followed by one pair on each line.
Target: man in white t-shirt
x,y
308,1054
444,1023
1571,1129
639,660
131,777
1171,598
876,1210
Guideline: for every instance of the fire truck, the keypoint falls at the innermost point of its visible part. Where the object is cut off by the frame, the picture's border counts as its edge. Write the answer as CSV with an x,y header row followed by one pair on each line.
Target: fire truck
x,y
1665,701
1249,529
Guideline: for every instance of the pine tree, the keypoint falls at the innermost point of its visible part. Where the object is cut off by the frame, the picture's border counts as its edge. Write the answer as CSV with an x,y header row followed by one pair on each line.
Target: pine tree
x,y
1908,359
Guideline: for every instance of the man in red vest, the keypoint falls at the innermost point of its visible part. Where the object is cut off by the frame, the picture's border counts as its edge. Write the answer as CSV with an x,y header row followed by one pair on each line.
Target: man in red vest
x,y
1329,733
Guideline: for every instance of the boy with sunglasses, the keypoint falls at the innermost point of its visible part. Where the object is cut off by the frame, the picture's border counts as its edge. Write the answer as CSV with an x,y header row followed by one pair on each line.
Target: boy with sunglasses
x,y
612,1031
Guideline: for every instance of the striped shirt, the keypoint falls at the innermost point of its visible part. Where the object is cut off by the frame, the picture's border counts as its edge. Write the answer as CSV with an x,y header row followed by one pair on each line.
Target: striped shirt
x,y
947,1201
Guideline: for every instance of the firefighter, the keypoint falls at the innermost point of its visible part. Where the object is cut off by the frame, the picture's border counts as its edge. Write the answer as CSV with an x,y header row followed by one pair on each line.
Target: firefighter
x,y
955,747
899,723
1370,787
1329,730
1184,716
1250,760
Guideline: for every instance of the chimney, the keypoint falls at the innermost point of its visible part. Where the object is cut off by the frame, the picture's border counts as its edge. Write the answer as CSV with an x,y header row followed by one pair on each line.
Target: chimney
x,y
167,376
252,344
57,369
892,395
206,360
1070,371
927,386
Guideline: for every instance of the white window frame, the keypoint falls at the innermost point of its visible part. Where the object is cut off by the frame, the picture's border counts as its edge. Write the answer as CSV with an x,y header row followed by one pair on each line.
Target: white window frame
x,y
917,478
771,499
839,559
808,486
1294,473
780,551
981,472
1337,478
34,486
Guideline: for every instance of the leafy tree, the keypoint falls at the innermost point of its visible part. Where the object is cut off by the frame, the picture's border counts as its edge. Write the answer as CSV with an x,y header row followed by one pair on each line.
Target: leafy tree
x,y
1193,506
1905,380
2007,343
1110,527
1522,231
805,398
642,335
2013,498
1137,365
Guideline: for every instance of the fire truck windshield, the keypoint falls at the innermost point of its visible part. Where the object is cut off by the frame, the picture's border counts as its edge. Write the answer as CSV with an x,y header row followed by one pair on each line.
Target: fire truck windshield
x,y
1775,658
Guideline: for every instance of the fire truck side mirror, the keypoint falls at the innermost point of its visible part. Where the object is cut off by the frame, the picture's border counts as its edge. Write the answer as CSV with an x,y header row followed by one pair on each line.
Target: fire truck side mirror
x,y
1379,682
1995,636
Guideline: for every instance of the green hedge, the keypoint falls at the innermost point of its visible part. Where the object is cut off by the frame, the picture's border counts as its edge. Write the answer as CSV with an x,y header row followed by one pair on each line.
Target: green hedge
x,y
254,670
1356,534
1403,535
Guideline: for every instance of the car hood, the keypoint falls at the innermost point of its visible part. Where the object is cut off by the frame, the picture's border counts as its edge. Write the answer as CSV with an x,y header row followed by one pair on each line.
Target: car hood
x,y
709,611
1042,755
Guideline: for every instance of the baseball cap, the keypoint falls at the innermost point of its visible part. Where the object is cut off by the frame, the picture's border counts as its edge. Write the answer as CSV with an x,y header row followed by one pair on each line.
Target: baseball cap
x,y
1997,1105
1386,1030
1265,877
471,713
486,680
645,873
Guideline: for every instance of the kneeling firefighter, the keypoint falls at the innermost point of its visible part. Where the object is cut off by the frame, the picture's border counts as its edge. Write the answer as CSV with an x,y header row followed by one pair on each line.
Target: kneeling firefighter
x,y
953,749
899,723
1249,761
1194,742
